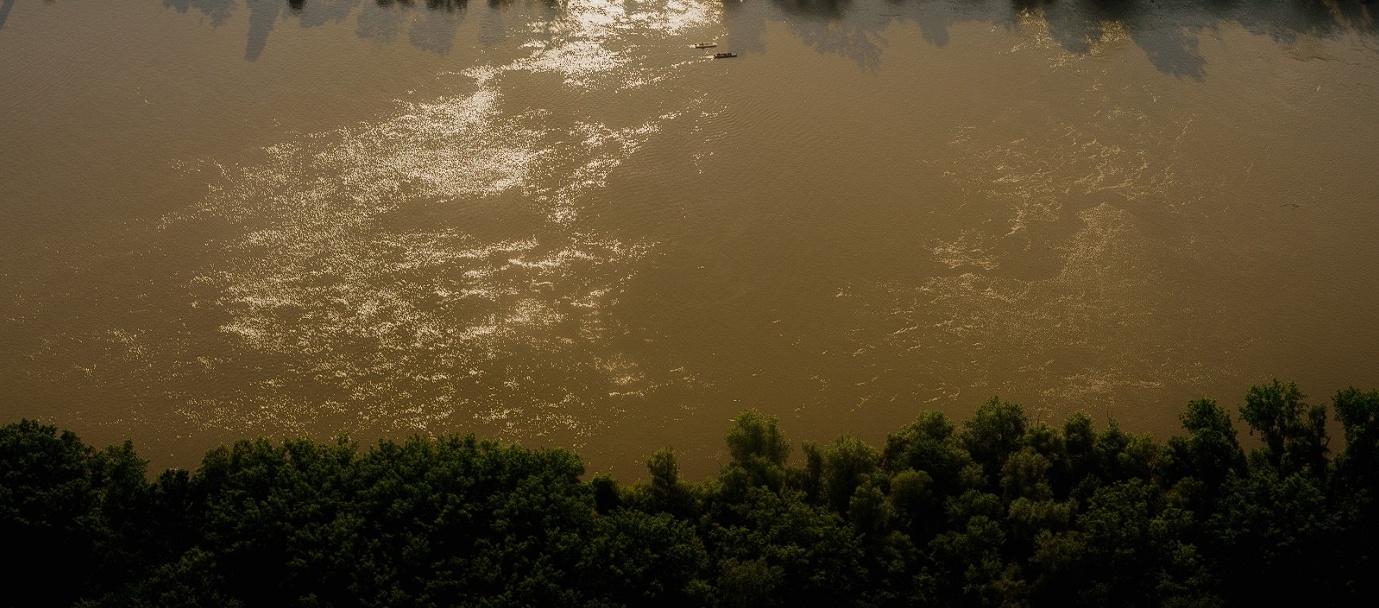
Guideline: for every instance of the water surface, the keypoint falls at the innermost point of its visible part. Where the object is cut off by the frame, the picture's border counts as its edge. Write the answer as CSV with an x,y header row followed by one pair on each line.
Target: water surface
x,y
559,223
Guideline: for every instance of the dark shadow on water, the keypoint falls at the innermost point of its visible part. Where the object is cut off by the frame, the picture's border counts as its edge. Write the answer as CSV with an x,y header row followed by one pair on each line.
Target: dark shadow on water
x,y
432,22
492,30
1166,30
933,29
828,9
1172,48
217,11
382,25
263,16
435,32
820,24
322,12
5,11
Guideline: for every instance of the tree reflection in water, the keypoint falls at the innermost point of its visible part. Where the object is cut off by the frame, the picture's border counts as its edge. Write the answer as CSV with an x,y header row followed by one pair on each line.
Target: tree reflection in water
x,y
1167,30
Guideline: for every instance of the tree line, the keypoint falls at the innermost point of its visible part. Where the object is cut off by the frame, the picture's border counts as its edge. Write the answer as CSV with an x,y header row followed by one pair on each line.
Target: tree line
x,y
998,510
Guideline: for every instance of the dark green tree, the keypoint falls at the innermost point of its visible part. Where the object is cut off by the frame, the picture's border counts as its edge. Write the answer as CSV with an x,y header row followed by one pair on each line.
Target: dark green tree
x,y
1079,438
1358,413
967,567
928,444
1049,442
779,550
1203,461
1355,492
1132,553
915,505
759,451
49,510
1294,432
847,465
639,559
993,433
1279,530
666,492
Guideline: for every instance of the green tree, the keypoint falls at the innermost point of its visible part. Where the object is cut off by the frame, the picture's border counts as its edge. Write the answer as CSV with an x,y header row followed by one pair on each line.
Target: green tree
x,y
1294,432
847,464
666,491
759,449
1079,438
993,433
1358,413
278,520
638,559
966,567
928,444
809,480
189,581
49,509
120,477
1049,443
1025,475
757,436
1278,530
1208,456
458,521
1210,451
1354,489
915,504
1133,550
779,550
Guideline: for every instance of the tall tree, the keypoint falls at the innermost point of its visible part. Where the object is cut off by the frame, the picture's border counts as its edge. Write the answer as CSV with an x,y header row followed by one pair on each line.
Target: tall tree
x,y
1203,461
928,444
49,513
1355,489
848,463
759,449
993,433
1294,432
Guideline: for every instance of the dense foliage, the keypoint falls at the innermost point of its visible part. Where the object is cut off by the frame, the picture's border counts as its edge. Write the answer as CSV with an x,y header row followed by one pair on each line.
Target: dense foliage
x,y
999,510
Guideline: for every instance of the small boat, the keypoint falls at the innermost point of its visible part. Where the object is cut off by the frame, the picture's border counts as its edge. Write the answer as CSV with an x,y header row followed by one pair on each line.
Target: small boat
x,y
705,45
724,55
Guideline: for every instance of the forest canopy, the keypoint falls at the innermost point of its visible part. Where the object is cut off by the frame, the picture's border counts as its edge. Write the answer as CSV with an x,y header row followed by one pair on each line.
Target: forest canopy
x,y
995,510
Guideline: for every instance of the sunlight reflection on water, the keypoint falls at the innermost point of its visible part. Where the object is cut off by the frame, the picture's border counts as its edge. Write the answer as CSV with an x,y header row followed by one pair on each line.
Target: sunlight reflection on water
x,y
405,328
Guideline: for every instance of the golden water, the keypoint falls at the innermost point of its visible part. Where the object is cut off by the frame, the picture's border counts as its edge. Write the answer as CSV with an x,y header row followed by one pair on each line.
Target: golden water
x,y
559,223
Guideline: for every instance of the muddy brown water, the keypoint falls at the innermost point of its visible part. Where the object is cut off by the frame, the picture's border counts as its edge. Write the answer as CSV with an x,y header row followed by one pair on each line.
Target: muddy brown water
x,y
561,224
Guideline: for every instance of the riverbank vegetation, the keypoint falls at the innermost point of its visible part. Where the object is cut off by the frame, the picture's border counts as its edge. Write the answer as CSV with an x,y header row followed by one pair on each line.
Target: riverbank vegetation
x,y
997,510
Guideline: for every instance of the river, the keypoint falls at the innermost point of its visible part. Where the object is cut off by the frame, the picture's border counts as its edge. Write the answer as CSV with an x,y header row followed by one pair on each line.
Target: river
x,y
558,223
